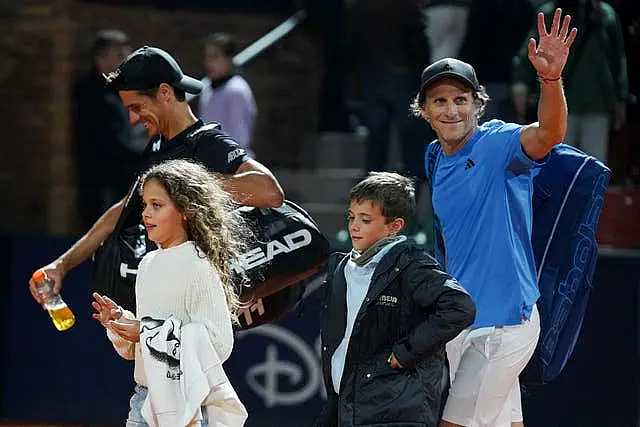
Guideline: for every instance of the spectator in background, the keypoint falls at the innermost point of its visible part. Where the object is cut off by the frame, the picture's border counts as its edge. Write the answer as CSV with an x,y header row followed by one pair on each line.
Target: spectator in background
x,y
509,21
102,136
518,108
327,19
595,77
446,26
226,97
390,50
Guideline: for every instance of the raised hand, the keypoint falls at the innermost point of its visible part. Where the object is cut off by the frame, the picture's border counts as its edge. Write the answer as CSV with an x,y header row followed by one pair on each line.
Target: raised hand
x,y
112,316
549,56
106,309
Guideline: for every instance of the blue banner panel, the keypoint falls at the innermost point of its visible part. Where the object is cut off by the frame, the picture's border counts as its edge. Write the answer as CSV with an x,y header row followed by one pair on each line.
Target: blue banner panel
x,y
70,376
600,384
275,369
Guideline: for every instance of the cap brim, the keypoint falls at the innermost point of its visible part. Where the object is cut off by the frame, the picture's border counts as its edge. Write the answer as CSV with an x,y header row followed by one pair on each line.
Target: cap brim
x,y
445,75
189,85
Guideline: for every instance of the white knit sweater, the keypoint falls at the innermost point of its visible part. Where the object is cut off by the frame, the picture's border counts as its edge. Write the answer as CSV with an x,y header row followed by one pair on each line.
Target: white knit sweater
x,y
179,281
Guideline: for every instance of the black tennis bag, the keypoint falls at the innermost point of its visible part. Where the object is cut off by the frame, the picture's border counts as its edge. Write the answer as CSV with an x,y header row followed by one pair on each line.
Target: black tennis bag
x,y
286,253
116,261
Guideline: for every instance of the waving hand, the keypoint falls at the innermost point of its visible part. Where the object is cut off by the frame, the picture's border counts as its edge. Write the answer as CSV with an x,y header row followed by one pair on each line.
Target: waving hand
x,y
549,56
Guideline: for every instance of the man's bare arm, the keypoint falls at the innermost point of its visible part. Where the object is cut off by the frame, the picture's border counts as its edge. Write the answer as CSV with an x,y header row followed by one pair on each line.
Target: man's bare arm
x,y
92,240
253,185
539,138
549,58
81,250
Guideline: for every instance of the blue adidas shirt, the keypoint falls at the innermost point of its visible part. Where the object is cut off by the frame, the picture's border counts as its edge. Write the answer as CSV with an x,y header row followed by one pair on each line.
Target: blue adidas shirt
x,y
483,197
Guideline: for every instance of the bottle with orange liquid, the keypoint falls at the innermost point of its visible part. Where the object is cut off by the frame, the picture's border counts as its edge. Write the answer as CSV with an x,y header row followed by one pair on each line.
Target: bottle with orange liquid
x,y
61,315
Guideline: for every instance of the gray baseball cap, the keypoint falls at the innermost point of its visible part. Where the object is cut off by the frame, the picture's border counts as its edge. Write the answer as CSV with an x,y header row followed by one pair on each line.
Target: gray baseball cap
x,y
448,68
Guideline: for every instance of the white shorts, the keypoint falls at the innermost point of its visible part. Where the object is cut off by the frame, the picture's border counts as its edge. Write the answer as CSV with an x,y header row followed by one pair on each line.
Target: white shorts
x,y
484,365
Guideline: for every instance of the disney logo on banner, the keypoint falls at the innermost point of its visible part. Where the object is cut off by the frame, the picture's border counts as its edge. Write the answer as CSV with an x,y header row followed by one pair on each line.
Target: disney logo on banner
x,y
273,368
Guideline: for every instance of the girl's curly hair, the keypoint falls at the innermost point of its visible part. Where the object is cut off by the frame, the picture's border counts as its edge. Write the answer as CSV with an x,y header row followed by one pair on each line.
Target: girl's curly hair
x,y
211,222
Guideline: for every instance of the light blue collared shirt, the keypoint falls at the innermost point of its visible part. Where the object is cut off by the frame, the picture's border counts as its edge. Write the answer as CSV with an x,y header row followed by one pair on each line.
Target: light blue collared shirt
x,y
358,280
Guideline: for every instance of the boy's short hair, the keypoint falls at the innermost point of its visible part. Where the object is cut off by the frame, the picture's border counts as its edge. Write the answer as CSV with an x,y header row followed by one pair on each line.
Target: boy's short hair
x,y
394,193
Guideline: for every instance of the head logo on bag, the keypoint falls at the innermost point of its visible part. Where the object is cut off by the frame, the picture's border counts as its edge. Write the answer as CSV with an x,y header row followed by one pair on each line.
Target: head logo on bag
x,y
288,251
260,255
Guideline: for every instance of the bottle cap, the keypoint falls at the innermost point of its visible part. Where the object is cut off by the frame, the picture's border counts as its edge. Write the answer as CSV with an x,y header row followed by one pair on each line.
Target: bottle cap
x,y
38,276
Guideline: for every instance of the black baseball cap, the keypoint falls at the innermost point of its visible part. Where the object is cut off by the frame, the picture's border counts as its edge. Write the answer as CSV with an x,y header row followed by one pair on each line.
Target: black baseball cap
x,y
448,68
148,67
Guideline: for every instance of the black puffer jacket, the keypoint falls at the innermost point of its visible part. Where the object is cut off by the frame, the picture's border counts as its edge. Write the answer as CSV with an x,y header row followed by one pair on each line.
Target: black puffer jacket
x,y
411,309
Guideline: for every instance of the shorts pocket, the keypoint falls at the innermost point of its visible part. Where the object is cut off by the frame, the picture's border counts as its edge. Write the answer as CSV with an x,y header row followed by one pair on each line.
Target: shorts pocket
x,y
488,341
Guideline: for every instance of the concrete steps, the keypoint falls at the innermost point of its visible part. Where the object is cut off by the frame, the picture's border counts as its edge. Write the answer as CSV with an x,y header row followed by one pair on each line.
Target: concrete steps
x,y
334,150
319,185
331,164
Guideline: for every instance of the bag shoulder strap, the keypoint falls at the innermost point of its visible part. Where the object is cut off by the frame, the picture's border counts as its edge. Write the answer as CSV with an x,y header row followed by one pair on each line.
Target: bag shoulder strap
x,y
302,212
433,156
141,167
126,209
193,139
434,151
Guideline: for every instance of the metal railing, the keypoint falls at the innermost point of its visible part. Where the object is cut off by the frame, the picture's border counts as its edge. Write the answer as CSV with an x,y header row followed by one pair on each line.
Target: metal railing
x,y
269,39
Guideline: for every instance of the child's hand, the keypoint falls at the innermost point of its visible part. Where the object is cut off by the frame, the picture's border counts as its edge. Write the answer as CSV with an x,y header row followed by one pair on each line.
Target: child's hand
x,y
393,362
107,310
129,329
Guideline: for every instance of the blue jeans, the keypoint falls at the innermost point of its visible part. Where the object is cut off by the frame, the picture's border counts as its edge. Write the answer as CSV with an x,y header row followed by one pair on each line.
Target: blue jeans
x,y
134,419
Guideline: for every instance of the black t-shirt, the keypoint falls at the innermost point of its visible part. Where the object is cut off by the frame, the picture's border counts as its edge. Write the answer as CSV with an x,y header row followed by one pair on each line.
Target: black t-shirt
x,y
205,144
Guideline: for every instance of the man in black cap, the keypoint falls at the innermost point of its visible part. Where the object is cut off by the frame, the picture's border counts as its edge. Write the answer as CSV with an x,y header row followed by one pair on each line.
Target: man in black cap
x,y
482,187
152,88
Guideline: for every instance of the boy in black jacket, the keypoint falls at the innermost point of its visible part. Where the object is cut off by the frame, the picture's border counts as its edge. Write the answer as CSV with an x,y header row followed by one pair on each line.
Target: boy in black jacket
x,y
388,312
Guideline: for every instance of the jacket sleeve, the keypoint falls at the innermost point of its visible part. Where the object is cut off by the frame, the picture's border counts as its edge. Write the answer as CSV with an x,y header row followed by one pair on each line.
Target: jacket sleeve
x,y
329,415
617,57
325,322
450,309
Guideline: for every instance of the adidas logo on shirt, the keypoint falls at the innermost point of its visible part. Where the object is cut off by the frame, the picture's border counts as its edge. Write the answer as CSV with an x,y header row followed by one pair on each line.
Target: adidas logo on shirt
x,y
470,163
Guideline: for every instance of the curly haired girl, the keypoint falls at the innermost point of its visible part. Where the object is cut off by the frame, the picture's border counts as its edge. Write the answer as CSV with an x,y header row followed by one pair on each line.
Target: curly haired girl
x,y
191,219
